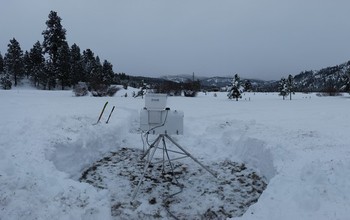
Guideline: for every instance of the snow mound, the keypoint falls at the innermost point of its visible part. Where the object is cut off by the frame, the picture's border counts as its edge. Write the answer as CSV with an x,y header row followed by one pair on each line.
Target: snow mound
x,y
90,143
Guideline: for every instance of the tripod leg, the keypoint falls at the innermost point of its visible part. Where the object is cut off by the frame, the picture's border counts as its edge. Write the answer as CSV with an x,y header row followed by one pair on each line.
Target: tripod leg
x,y
164,149
171,165
144,172
189,155
155,143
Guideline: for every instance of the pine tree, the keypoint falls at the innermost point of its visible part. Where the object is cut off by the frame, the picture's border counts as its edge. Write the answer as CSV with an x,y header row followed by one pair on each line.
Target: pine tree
x,y
96,79
44,76
63,64
14,61
107,72
89,63
282,88
290,86
27,64
5,81
1,64
235,92
248,86
76,65
54,39
93,70
2,68
346,81
54,36
50,75
37,62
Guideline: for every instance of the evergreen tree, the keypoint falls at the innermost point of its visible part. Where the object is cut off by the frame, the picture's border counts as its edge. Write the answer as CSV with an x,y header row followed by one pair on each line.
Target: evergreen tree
x,y
54,36
63,64
14,61
94,72
191,87
107,72
248,86
54,39
5,80
27,64
346,81
282,88
89,63
37,63
50,75
235,91
290,86
43,77
76,65
1,64
96,79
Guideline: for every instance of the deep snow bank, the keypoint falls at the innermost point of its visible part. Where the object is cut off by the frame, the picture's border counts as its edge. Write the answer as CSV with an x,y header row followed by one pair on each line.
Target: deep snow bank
x,y
256,155
31,187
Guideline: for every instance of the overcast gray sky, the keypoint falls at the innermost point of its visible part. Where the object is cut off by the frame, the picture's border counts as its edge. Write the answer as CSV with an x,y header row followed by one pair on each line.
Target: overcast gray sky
x,y
264,39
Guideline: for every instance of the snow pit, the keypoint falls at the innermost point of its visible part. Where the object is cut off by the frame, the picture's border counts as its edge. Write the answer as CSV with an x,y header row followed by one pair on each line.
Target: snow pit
x,y
192,194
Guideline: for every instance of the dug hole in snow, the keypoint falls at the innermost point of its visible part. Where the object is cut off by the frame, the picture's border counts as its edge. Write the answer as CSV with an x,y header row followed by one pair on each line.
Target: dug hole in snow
x,y
99,156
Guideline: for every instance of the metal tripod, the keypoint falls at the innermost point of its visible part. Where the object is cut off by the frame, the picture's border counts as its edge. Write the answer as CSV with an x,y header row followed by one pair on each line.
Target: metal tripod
x,y
153,147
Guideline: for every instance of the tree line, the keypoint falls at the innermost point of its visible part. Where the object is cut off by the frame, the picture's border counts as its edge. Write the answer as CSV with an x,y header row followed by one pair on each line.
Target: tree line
x,y
286,87
53,64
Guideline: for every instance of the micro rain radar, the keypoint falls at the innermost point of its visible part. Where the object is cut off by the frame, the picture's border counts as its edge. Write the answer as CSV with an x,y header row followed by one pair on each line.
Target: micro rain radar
x,y
157,119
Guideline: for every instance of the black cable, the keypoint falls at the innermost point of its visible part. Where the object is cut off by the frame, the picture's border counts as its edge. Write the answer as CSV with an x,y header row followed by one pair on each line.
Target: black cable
x,y
181,186
158,126
143,142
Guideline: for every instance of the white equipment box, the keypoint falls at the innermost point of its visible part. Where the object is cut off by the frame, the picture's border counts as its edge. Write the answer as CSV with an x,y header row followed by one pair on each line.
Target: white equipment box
x,y
155,118
161,121
155,101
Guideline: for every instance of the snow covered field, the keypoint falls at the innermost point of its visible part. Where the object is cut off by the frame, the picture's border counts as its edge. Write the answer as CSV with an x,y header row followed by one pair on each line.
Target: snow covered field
x,y
301,147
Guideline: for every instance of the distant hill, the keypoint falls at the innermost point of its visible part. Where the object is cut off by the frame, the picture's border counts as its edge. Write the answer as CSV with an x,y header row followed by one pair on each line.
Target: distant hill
x,y
216,81
324,79
181,78
219,81
205,81
306,81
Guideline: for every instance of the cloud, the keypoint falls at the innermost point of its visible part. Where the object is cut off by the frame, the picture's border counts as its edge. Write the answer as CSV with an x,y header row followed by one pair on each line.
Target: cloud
x,y
263,39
